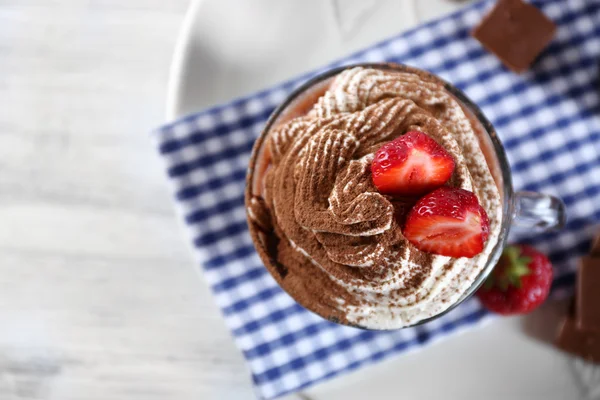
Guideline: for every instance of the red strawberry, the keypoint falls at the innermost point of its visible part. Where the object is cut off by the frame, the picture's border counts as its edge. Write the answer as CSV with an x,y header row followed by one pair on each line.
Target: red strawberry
x,y
519,283
448,221
412,164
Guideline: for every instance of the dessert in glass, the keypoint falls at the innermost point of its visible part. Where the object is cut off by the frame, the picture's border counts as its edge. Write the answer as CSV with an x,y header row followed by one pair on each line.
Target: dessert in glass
x,y
379,196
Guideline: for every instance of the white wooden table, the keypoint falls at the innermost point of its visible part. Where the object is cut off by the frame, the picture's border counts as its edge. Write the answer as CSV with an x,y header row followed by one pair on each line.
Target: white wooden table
x,y
98,296
98,299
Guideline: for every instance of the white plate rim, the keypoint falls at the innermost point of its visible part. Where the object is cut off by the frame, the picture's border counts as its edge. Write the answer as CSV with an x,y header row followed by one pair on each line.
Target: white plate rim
x,y
179,62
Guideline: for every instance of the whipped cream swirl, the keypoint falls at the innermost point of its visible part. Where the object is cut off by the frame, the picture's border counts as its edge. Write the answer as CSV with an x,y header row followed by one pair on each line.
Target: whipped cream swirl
x,y
338,247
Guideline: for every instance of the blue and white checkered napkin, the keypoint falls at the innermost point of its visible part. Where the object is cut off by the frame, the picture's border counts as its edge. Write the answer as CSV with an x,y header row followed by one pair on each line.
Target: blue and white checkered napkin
x,y
548,119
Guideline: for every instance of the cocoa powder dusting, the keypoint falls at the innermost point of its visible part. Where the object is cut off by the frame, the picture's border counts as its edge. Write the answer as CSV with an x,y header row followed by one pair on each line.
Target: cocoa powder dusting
x,y
334,243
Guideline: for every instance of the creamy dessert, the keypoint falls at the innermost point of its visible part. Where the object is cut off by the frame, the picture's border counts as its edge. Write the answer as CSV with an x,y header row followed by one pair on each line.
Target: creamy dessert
x,y
340,244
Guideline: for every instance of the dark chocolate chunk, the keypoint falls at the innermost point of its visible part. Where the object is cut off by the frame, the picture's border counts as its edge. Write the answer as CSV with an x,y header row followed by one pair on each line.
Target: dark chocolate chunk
x,y
577,342
595,250
515,32
588,294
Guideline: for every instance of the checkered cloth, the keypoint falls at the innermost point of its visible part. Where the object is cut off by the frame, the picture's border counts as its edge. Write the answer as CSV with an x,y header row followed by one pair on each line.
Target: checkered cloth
x,y
548,119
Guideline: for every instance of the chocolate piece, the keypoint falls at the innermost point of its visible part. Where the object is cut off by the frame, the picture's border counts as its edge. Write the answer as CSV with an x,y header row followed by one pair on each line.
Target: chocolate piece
x,y
588,295
515,32
580,343
595,250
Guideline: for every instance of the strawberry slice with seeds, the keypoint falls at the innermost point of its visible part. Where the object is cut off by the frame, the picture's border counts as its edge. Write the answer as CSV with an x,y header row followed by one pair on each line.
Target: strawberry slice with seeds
x,y
449,222
413,164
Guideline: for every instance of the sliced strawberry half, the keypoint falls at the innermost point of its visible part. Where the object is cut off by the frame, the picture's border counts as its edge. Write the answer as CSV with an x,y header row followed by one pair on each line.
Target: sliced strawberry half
x,y
413,164
449,222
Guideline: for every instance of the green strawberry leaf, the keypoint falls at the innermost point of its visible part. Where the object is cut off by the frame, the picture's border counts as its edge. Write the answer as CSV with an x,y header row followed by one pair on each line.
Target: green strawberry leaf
x,y
510,269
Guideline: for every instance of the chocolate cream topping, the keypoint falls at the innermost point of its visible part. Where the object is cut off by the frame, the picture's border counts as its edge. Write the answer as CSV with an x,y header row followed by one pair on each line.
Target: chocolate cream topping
x,y
333,242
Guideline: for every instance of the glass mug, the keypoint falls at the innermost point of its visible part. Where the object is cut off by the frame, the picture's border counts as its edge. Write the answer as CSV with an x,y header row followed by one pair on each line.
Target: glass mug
x,y
522,210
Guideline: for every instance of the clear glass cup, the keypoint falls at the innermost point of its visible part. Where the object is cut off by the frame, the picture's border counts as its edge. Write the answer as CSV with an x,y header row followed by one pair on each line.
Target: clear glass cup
x,y
535,212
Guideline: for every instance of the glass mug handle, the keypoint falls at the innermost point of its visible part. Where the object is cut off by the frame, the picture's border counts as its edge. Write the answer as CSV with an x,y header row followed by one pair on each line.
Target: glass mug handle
x,y
538,212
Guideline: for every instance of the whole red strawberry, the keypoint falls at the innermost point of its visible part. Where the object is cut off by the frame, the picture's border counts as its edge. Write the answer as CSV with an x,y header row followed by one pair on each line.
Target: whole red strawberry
x,y
448,221
413,164
519,283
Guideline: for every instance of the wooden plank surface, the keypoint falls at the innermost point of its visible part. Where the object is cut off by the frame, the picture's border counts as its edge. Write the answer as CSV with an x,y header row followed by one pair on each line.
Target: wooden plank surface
x,y
98,296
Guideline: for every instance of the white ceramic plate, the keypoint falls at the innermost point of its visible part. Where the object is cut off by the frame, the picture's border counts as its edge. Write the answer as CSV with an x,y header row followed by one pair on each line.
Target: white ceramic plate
x,y
230,48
